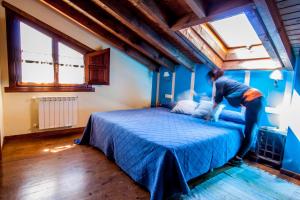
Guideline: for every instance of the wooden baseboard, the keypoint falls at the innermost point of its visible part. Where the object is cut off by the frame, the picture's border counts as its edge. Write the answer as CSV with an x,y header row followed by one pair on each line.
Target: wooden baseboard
x,y
290,173
56,132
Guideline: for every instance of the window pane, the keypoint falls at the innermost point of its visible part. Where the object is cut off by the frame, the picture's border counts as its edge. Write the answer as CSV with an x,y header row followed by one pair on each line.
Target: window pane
x,y
236,31
71,65
36,54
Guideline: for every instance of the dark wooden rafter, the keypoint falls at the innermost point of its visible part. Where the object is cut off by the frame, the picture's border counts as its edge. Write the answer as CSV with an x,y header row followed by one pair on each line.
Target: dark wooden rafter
x,y
197,6
128,18
122,32
148,8
271,18
86,22
214,11
262,32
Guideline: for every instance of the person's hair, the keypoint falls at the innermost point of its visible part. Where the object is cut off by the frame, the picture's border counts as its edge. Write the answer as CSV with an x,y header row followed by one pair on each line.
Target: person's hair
x,y
215,73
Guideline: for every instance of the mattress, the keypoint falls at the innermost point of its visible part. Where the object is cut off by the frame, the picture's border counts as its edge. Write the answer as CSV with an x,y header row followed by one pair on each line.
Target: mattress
x,y
162,150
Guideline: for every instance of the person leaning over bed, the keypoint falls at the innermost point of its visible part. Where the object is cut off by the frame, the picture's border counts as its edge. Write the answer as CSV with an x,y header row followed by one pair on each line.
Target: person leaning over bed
x,y
239,94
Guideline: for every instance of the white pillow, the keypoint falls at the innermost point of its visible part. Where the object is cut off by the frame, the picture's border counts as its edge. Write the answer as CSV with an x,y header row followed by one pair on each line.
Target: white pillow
x,y
205,109
185,107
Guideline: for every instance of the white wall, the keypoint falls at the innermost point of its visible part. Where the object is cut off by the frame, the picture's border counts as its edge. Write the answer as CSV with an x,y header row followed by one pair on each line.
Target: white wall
x,y
1,112
3,62
130,81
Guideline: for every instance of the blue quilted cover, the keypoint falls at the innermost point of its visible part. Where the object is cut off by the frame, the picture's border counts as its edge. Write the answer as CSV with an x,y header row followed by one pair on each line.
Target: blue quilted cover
x,y
162,150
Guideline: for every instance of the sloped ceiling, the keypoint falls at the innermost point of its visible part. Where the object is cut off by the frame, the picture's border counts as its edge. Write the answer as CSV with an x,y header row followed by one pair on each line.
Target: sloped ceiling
x,y
148,30
290,14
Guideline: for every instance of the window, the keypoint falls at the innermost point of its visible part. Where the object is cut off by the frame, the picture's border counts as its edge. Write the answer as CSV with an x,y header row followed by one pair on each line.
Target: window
x,y
238,24
71,64
37,60
42,59
36,56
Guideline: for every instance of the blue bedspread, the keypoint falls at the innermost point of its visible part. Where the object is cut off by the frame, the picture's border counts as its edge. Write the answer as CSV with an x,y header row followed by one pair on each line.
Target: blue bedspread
x,y
162,150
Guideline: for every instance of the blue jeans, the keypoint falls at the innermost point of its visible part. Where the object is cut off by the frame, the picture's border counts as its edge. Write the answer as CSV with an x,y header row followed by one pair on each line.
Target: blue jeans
x,y
252,115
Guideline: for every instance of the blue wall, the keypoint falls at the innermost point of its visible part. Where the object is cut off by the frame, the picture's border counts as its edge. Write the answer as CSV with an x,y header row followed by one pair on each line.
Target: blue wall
x,y
203,88
154,87
165,86
291,160
261,81
273,95
182,83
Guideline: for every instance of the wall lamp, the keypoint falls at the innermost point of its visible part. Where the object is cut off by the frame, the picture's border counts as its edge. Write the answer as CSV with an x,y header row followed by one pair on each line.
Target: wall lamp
x,y
276,76
167,76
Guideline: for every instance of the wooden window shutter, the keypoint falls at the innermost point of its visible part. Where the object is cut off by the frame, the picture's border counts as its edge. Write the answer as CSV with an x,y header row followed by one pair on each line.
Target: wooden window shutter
x,y
97,67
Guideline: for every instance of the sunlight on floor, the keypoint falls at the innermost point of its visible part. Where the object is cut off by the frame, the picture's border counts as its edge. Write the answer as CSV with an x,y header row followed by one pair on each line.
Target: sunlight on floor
x,y
59,148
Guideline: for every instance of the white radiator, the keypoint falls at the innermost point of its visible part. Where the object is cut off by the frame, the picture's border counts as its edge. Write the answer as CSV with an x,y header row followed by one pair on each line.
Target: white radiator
x,y
57,112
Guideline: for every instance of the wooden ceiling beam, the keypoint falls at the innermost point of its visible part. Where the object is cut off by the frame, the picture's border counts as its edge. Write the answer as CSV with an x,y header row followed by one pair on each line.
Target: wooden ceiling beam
x,y
122,12
73,14
197,6
122,32
202,45
275,28
214,11
262,32
206,33
150,9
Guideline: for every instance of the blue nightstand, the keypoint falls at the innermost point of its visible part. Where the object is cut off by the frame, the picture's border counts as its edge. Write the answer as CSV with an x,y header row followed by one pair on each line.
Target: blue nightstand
x,y
270,145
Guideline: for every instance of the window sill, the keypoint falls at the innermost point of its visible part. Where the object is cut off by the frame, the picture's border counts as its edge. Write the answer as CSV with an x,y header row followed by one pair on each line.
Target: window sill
x,y
49,89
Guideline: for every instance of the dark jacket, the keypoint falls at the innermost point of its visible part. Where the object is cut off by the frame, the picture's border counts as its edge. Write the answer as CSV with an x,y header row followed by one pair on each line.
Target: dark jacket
x,y
232,90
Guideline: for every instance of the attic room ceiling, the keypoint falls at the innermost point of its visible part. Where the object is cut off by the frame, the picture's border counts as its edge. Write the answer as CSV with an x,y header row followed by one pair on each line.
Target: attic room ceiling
x,y
290,14
170,32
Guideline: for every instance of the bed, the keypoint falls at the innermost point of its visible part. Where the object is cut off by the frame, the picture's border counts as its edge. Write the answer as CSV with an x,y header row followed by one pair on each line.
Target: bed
x,y
162,150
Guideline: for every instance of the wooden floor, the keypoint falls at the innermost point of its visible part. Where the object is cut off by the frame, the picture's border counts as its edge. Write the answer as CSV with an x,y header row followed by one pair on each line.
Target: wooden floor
x,y
54,168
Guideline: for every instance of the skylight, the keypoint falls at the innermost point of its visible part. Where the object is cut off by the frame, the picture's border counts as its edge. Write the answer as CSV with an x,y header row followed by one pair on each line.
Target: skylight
x,y
236,31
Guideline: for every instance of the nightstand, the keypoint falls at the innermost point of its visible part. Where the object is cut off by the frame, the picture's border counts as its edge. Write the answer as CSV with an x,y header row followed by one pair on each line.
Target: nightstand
x,y
270,145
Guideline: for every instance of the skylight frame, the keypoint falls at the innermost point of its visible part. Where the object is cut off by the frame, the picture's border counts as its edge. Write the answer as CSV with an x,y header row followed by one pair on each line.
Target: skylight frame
x,y
248,25
254,56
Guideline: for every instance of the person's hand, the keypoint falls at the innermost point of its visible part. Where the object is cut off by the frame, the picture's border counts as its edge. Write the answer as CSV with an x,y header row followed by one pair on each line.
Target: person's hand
x,y
208,117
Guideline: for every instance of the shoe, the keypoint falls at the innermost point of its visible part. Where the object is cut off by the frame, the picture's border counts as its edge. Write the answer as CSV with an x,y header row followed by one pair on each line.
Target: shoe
x,y
236,162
